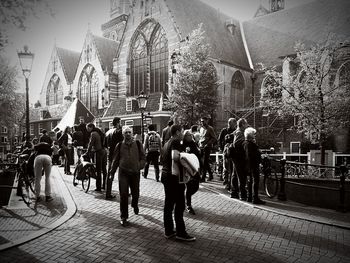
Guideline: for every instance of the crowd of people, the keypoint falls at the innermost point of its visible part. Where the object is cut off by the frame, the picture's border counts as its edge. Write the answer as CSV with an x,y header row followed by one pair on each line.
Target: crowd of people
x,y
183,153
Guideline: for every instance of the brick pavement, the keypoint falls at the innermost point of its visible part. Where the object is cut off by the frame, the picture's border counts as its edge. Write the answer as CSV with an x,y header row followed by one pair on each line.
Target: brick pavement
x,y
227,230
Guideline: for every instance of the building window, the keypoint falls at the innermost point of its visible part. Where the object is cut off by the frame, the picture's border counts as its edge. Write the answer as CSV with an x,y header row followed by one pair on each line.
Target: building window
x,y
237,90
54,92
294,147
4,139
128,105
31,129
40,127
88,88
3,129
149,59
129,123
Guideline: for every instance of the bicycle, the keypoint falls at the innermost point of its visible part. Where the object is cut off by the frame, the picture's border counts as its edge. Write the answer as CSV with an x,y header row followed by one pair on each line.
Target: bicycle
x,y
84,171
270,178
23,183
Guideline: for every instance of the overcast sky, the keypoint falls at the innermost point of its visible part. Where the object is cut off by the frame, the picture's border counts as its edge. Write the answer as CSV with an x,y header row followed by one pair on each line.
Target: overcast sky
x,y
69,27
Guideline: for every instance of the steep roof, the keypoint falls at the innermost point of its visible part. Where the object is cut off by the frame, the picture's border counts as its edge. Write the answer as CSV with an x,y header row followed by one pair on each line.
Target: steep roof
x,y
188,14
69,61
118,106
53,112
274,35
107,50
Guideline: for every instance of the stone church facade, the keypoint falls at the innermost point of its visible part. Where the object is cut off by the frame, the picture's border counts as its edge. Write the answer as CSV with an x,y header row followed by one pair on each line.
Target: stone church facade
x,y
135,54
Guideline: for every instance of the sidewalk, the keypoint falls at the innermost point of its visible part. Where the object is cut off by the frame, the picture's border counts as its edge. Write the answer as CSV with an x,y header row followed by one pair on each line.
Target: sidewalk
x,y
20,224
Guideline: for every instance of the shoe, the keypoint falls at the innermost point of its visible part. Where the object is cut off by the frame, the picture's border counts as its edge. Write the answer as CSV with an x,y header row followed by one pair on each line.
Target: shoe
x,y
243,199
190,210
185,237
157,179
210,178
97,190
249,199
258,201
124,222
202,180
48,198
170,235
38,199
224,182
136,210
110,197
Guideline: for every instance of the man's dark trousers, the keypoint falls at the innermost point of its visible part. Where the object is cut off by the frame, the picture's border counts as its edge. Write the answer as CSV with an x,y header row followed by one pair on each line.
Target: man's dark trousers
x,y
152,157
174,198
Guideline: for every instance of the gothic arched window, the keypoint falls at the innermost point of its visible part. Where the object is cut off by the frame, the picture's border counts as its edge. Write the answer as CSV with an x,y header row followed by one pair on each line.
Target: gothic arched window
x,y
54,93
149,59
344,75
237,90
88,88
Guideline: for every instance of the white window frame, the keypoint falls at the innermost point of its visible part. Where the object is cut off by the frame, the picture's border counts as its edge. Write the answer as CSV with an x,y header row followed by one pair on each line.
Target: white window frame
x,y
4,129
128,105
291,146
129,123
4,139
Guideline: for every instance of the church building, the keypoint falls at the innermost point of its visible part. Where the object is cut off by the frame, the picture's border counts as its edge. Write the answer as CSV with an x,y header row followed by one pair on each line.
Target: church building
x,y
135,51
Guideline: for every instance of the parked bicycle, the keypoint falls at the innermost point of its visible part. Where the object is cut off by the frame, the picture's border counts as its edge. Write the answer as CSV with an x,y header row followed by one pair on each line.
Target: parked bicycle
x,y
270,177
24,181
84,171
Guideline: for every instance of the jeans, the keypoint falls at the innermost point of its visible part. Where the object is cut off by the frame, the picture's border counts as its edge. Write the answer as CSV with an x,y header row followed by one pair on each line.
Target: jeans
x,y
240,169
152,157
206,163
126,180
174,200
253,183
66,160
101,168
42,162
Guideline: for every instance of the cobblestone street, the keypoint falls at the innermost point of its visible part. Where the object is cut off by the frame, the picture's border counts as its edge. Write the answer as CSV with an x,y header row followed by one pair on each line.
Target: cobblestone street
x,y
227,230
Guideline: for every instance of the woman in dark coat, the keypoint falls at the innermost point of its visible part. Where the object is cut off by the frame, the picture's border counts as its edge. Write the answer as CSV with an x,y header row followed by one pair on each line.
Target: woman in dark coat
x,y
65,142
192,185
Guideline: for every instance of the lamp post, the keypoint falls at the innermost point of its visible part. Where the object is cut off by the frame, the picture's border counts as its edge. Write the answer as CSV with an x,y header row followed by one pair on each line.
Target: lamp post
x,y
26,61
142,102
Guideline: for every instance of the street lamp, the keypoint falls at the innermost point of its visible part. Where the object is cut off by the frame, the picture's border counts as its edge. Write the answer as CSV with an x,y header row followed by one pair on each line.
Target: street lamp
x,y
26,61
142,102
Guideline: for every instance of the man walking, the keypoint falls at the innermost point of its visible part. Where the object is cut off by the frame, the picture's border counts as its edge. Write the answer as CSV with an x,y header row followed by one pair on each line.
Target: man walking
x,y
206,142
95,146
174,191
113,137
129,157
152,147
166,132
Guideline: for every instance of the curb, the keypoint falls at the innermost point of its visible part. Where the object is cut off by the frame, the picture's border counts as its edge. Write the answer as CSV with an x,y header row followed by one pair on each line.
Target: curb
x,y
70,212
306,217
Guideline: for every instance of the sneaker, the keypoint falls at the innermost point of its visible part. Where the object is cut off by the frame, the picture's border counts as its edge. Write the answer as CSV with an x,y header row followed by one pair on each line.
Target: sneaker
x,y
48,198
110,197
98,190
190,210
170,235
234,195
124,222
185,237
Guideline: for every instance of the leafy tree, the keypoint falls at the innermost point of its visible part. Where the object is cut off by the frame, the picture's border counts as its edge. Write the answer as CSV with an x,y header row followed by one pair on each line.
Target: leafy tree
x,y
318,94
194,92
15,13
11,103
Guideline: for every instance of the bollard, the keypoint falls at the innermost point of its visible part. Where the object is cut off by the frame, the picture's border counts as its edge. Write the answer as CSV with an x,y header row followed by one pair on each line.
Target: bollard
x,y
343,171
282,193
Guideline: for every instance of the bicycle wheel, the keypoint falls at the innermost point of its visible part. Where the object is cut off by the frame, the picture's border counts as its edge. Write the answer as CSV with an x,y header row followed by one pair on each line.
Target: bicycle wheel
x,y
89,172
27,188
75,174
271,183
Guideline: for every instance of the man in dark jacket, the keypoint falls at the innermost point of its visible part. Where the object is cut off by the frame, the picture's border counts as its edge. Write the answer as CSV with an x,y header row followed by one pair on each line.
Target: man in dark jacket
x,y
45,138
152,148
113,137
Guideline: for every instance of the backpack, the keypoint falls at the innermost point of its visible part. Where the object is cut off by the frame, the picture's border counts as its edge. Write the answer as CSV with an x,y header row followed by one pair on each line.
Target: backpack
x,y
153,142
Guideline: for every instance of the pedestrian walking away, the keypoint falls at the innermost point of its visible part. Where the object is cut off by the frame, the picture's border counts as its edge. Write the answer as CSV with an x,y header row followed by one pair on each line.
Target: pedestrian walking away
x,y
42,162
113,137
174,191
130,158
152,148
